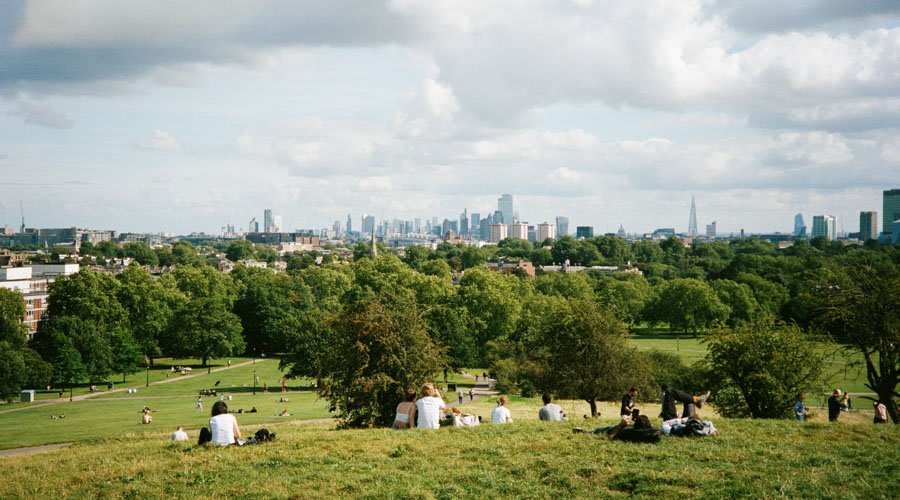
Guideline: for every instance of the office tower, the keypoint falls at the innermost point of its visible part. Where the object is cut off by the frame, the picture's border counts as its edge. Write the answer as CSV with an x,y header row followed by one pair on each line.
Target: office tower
x,y
464,222
368,224
545,231
692,222
517,230
253,227
417,225
277,224
823,225
349,225
505,207
336,229
868,226
484,229
498,232
267,221
562,226
584,232
532,234
711,230
891,209
799,225
475,225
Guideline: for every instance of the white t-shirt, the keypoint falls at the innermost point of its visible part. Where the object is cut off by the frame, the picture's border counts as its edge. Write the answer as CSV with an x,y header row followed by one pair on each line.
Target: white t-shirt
x,y
179,436
428,412
222,429
500,415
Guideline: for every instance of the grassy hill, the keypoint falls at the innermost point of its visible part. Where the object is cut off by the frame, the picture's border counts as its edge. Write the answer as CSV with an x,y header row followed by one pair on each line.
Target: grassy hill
x,y
525,459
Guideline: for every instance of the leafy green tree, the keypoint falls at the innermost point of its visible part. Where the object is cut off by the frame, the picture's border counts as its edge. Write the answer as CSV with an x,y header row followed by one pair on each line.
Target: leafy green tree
x,y
186,254
437,267
57,347
576,350
239,250
493,301
687,305
164,256
647,252
770,296
514,247
766,364
568,285
12,310
148,305
140,252
861,307
566,249
377,350
415,256
267,306
614,250
20,368
626,297
108,249
739,300
472,256
541,257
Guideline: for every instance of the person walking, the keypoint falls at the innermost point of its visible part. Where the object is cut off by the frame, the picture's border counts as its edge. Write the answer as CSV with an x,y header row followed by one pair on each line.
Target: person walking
x,y
459,395
200,403
471,394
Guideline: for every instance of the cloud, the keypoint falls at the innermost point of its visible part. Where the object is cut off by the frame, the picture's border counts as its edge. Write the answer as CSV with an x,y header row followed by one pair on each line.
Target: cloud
x,y
37,114
759,16
159,140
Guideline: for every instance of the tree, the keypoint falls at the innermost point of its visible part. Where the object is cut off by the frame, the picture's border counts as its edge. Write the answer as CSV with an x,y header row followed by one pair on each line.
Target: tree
x,y
186,254
415,256
12,310
267,307
436,267
614,250
493,301
626,298
58,349
20,368
148,306
739,300
762,365
861,307
378,349
686,304
141,252
575,350
239,250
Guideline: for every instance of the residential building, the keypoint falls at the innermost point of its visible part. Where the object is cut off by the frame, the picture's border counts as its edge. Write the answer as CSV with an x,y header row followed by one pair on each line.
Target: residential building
x,y
891,211
545,231
498,232
868,226
518,230
584,232
33,282
823,225
525,267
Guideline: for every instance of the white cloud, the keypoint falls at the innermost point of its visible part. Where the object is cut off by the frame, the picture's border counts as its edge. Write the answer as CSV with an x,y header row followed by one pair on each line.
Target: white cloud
x,y
159,140
36,114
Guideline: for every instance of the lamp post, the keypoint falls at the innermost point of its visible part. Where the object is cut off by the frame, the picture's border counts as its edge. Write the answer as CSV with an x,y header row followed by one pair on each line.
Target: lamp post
x,y
148,374
255,379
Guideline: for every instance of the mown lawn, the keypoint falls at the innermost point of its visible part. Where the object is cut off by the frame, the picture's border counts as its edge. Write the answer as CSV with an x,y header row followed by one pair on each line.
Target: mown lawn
x,y
528,459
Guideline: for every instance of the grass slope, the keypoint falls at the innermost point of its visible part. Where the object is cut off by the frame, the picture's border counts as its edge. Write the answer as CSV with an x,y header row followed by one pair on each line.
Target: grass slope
x,y
528,459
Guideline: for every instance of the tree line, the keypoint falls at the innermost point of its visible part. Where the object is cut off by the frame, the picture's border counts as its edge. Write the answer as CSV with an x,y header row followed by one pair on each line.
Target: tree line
x,y
369,329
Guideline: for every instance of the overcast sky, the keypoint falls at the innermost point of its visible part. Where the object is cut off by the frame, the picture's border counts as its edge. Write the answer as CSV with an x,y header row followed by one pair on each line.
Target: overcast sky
x,y
177,116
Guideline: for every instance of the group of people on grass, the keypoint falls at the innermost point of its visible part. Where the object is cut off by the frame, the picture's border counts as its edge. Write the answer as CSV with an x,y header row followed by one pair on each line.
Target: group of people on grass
x,y
837,403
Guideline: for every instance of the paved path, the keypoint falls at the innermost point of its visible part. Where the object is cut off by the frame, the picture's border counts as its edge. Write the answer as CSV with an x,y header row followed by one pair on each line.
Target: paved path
x,y
32,450
81,397
480,392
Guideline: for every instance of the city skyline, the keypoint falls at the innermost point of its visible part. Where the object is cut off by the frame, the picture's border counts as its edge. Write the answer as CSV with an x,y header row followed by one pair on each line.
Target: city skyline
x,y
171,117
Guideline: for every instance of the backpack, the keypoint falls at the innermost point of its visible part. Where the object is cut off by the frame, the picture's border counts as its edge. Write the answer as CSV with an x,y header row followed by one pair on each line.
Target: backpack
x,y
261,436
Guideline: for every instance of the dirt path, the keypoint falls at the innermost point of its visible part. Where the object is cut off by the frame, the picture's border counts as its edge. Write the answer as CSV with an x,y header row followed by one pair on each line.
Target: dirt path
x,y
32,449
81,397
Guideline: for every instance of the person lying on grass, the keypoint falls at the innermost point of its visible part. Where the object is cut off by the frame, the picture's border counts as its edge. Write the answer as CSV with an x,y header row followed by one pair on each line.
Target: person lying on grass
x,y
691,426
639,430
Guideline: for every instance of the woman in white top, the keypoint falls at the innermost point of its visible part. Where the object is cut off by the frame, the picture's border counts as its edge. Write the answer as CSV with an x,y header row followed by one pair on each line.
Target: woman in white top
x,y
501,414
429,407
223,426
405,411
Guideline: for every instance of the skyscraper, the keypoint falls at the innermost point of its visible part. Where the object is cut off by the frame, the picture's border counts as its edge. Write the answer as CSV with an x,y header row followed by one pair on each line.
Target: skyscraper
x,y
823,225
868,226
799,225
349,224
253,227
711,230
692,222
505,207
368,224
562,226
891,210
267,221
464,222
584,232
475,225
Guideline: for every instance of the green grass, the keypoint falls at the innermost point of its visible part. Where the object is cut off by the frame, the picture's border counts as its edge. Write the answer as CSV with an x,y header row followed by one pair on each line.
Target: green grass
x,y
527,459
690,348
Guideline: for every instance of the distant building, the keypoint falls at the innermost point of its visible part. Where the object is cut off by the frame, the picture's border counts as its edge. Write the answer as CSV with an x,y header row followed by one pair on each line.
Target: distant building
x,y
663,233
464,223
498,232
891,210
512,267
545,231
518,230
692,221
895,238
584,232
349,225
268,222
711,230
253,226
505,208
868,226
799,225
368,224
823,225
621,232
33,283
562,226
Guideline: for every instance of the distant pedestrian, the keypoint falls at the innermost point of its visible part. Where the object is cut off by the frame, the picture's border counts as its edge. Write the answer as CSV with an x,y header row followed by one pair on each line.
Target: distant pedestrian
x,y
229,363
800,409
880,412
200,403
471,394
460,395
283,384
835,406
476,378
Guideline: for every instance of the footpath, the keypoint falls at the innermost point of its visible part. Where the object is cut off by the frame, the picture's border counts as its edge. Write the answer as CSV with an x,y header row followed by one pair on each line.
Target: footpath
x,y
81,397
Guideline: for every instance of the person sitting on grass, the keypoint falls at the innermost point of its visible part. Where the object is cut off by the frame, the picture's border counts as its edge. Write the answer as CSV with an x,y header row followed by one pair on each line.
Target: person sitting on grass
x,y
691,426
501,414
551,412
179,434
223,426
800,409
146,417
427,414
880,412
671,396
628,403
406,411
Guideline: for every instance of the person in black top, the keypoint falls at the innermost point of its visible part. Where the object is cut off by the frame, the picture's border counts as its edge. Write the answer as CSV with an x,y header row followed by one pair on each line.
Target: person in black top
x,y
835,405
628,402
672,396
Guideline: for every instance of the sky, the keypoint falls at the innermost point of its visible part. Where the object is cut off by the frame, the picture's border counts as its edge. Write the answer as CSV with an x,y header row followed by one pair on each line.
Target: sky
x,y
173,116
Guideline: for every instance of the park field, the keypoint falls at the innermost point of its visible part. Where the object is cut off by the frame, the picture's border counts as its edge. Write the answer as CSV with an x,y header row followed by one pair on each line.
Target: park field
x,y
526,459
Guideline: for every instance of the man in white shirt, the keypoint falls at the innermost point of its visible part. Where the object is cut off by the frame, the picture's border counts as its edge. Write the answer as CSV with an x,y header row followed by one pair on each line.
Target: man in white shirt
x,y
179,434
501,414
551,412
